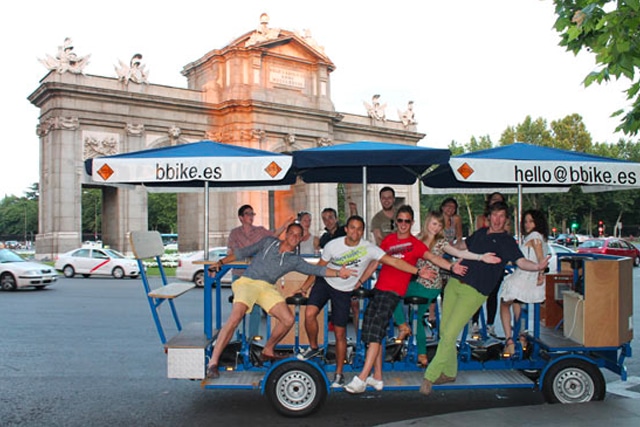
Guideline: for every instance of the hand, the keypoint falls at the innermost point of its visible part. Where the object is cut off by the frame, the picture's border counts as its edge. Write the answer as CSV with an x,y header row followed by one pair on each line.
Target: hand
x,y
459,269
490,258
214,268
301,291
542,265
427,273
345,272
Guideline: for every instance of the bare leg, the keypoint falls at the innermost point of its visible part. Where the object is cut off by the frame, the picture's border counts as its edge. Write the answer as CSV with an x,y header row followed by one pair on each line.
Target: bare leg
x,y
377,367
505,316
285,321
370,360
341,346
311,325
238,310
517,311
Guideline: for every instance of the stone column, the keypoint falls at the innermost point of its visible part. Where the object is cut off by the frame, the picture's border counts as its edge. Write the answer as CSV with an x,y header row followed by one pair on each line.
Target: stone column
x,y
125,210
61,172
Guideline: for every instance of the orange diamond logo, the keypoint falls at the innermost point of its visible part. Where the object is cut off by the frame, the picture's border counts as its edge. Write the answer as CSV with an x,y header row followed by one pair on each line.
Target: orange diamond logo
x,y
105,171
465,170
273,169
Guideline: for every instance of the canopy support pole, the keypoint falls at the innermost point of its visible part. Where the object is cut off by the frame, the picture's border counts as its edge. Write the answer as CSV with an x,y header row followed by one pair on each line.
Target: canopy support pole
x,y
206,221
364,199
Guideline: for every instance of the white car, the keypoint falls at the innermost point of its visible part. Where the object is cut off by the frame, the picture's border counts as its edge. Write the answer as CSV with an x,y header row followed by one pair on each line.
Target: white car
x,y
97,261
190,272
555,250
16,272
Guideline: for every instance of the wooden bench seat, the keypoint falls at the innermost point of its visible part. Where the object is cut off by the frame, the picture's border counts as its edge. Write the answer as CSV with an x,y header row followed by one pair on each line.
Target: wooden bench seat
x,y
172,290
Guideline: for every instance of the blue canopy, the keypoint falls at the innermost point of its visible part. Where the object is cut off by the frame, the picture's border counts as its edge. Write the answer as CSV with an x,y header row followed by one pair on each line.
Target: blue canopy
x,y
384,163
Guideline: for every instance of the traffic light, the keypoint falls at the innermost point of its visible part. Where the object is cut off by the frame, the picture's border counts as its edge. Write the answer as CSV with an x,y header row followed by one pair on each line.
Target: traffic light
x,y
600,228
574,224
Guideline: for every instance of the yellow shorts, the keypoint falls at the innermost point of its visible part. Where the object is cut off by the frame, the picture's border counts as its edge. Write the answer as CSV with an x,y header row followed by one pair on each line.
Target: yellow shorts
x,y
250,291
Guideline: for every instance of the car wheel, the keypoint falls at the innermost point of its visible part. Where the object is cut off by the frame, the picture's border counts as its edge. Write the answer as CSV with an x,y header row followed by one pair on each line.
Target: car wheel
x,y
8,282
117,273
198,279
636,261
296,389
68,271
573,381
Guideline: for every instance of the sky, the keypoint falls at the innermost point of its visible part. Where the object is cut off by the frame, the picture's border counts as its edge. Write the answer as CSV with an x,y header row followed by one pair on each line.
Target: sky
x,y
472,67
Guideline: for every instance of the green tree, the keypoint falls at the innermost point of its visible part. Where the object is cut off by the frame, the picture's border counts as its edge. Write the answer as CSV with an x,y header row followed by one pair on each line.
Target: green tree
x,y
570,133
611,30
163,212
92,212
530,131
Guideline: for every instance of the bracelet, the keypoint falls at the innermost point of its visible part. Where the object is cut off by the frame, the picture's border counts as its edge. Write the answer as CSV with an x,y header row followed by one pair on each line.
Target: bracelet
x,y
417,271
451,266
479,257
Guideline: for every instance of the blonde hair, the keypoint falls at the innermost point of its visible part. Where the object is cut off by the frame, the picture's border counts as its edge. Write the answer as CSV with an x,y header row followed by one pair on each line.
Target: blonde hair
x,y
438,216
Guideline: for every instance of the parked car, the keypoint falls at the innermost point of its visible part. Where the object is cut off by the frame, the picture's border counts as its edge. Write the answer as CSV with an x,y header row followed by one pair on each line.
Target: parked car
x,y
97,261
554,250
610,246
567,239
16,272
190,272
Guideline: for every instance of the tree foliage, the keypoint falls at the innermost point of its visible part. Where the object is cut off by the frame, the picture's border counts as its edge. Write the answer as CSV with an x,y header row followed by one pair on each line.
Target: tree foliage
x,y
611,30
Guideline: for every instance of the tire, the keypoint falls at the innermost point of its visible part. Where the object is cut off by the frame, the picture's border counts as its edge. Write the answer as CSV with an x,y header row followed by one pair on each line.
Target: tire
x,y
296,389
8,282
198,279
117,273
573,381
68,271
636,261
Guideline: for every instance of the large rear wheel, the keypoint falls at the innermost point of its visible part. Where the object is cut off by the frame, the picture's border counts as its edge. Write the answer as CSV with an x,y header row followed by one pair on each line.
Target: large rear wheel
x,y
296,389
573,381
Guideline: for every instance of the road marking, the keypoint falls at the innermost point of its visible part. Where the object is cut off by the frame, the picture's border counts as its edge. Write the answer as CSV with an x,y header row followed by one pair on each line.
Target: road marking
x,y
621,388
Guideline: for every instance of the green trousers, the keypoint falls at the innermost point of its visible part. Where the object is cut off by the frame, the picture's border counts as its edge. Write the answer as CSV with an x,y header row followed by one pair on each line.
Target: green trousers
x,y
417,290
459,304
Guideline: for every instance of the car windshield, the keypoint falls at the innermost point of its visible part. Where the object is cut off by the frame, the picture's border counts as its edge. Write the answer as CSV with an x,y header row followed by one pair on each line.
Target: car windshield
x,y
114,254
7,255
592,244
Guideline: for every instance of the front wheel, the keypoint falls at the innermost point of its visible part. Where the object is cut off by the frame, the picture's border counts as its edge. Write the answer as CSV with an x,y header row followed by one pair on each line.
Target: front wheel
x,y
8,282
573,381
68,271
117,273
296,389
636,261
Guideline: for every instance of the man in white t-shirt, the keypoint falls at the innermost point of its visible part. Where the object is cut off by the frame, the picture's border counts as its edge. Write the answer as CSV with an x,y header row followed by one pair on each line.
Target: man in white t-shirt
x,y
354,253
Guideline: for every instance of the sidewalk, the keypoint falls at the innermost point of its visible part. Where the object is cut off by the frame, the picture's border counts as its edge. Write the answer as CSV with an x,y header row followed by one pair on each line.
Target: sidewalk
x,y
612,412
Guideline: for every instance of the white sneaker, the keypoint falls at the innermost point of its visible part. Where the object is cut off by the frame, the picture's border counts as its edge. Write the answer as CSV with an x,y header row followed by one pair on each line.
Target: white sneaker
x,y
356,386
376,384
338,381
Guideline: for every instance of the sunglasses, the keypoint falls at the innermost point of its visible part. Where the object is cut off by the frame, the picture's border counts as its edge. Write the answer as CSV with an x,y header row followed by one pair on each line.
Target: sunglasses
x,y
402,220
249,214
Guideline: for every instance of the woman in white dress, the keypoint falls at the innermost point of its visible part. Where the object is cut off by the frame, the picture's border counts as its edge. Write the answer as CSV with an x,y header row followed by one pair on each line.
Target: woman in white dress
x,y
524,286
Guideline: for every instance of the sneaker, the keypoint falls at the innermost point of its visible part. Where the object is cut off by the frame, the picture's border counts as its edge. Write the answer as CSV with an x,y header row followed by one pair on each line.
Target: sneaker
x,y
338,381
356,386
309,353
376,384
491,330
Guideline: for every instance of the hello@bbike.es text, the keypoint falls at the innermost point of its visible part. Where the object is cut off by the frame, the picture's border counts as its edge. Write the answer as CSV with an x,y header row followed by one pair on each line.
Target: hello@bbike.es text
x,y
182,172
573,175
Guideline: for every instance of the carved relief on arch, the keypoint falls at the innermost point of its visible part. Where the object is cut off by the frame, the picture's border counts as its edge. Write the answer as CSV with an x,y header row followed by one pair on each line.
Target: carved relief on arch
x,y
96,144
57,123
324,142
134,129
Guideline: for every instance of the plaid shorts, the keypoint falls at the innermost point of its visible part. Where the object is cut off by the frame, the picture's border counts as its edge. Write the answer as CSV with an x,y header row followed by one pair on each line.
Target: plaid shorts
x,y
378,315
